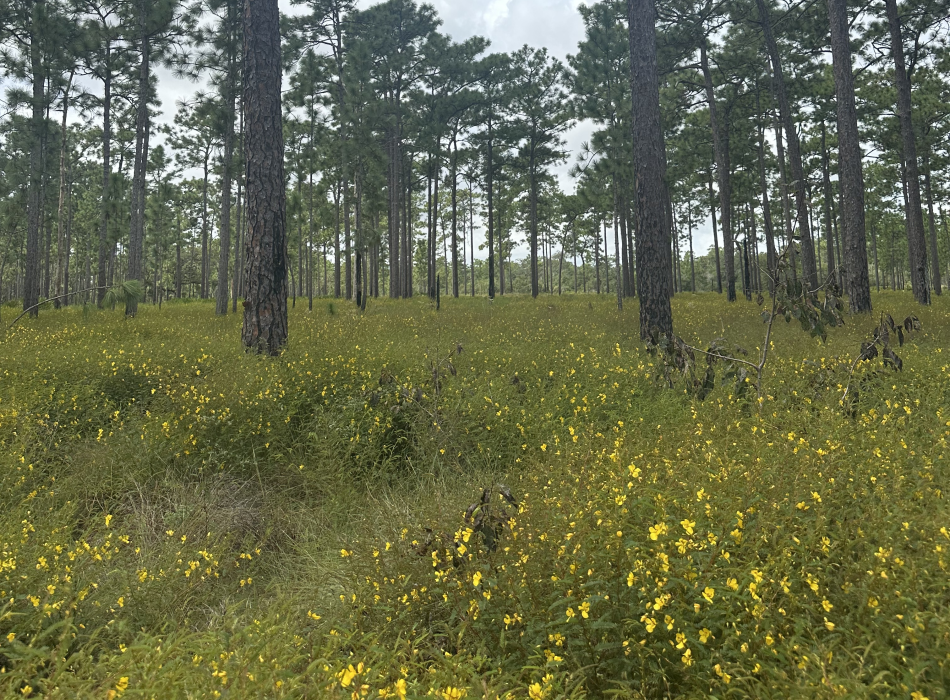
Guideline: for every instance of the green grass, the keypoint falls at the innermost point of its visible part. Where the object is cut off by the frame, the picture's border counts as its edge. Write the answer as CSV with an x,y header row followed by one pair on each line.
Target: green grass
x,y
179,519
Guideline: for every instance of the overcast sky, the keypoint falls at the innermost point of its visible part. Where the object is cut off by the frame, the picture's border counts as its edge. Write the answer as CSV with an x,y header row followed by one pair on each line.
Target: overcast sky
x,y
508,25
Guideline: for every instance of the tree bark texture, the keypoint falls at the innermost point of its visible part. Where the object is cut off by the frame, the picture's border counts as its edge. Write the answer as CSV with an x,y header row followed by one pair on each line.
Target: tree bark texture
x,y
721,151
771,255
826,208
932,222
917,247
654,275
61,247
137,219
809,267
221,292
854,254
31,290
106,175
265,272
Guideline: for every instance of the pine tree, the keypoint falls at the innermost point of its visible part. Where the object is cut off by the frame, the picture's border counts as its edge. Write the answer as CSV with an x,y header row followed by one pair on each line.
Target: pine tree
x,y
265,305
857,282
654,271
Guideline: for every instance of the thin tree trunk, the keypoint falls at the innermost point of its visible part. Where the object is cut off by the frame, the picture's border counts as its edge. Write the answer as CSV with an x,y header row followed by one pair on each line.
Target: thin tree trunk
x,y
501,252
877,276
916,244
204,229
809,269
239,229
621,208
721,151
786,204
771,256
471,231
69,232
854,256
712,211
178,260
934,257
347,242
61,250
455,248
617,266
692,259
137,223
31,277
103,251
491,216
826,209
221,295
533,223
337,261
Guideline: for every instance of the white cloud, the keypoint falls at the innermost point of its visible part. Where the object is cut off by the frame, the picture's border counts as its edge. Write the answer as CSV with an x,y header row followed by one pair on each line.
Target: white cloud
x,y
496,12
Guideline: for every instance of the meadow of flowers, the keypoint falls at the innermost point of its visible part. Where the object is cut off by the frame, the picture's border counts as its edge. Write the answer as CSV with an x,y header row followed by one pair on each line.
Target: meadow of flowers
x,y
492,500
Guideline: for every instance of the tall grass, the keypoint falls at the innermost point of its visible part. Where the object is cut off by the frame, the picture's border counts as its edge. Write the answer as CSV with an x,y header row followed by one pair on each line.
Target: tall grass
x,y
492,500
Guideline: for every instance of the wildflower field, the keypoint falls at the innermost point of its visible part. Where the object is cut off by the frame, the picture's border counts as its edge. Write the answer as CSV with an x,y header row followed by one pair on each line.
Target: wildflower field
x,y
491,500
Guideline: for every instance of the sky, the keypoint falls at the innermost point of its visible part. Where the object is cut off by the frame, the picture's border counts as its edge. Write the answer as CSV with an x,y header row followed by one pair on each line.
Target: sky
x,y
508,25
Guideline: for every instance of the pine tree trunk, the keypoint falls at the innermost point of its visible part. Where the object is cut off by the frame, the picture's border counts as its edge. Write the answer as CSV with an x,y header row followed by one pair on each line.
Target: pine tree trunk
x,y
501,253
934,257
826,209
916,245
721,151
621,209
137,223
265,305
786,204
222,291
533,225
809,267
771,255
106,175
491,216
712,212
239,229
455,247
649,166
854,256
31,280
69,232
178,260
336,243
60,218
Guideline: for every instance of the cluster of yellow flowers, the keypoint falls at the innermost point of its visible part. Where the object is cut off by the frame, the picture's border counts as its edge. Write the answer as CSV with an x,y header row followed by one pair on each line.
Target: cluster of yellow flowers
x,y
709,541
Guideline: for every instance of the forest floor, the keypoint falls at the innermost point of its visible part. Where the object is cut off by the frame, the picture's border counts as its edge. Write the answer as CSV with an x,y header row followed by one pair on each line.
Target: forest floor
x,y
492,500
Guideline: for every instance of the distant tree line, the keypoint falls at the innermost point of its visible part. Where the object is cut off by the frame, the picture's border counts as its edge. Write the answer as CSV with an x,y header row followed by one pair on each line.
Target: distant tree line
x,y
814,123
